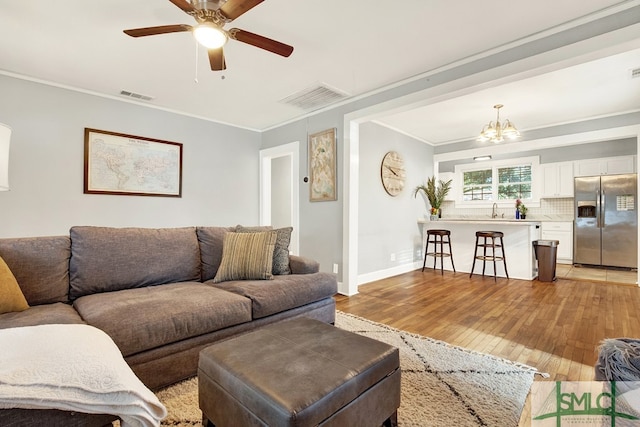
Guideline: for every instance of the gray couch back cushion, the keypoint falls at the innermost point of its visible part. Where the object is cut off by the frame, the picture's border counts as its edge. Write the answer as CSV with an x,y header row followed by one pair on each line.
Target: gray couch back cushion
x,y
40,265
211,240
109,259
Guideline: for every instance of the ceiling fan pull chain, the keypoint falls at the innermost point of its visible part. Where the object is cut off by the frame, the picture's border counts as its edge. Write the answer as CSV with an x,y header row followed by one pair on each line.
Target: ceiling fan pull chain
x,y
196,71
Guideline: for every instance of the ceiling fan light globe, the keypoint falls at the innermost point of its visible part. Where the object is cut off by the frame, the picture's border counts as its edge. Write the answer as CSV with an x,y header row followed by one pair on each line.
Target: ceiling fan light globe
x,y
209,36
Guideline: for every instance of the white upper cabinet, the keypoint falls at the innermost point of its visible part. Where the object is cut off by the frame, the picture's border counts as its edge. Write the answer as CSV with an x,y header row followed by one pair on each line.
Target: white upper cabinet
x,y
557,180
605,166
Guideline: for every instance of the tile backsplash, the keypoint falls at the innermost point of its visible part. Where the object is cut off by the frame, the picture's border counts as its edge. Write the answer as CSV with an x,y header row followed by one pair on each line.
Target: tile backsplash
x,y
559,209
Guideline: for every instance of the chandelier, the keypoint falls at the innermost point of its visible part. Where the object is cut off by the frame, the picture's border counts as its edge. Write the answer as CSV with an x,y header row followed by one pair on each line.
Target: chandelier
x,y
498,132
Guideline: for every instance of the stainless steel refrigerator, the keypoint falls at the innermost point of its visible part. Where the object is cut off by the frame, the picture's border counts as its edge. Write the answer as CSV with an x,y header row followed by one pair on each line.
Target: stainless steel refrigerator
x,y
606,224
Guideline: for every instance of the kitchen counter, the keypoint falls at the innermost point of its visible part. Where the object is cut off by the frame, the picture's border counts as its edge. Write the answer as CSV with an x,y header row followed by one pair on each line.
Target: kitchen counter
x,y
518,235
530,218
524,222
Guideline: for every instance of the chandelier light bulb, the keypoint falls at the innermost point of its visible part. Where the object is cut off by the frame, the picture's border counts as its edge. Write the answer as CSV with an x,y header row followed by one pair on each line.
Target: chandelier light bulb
x,y
510,131
490,132
210,36
482,137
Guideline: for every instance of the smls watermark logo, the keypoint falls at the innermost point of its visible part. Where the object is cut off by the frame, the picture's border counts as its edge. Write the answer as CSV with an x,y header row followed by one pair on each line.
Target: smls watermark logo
x,y
585,403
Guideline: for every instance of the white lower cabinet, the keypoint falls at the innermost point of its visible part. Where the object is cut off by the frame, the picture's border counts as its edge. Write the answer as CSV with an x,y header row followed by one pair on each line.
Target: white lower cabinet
x,y
562,231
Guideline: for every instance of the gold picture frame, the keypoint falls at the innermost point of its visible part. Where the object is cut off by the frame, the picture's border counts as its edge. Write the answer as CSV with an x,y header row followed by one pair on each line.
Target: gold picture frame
x,y
129,165
322,166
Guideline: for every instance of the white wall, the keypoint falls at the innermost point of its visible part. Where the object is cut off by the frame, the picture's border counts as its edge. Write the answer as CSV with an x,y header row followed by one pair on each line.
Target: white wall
x,y
388,225
220,165
320,222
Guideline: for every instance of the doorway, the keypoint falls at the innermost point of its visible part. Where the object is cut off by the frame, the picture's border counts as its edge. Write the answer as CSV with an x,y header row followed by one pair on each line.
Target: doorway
x,y
280,190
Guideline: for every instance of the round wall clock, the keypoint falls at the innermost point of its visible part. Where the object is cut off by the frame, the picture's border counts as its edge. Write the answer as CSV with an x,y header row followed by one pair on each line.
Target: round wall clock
x,y
392,173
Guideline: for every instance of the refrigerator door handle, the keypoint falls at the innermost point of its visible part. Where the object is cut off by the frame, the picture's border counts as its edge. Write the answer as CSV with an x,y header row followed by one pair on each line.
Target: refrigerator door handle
x,y
602,210
598,208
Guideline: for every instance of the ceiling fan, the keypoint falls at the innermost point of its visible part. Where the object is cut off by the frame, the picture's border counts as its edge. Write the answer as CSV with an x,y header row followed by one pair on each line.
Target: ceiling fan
x,y
212,15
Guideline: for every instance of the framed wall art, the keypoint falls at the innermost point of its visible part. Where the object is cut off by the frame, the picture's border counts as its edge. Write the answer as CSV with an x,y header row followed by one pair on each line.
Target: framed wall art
x,y
116,163
322,166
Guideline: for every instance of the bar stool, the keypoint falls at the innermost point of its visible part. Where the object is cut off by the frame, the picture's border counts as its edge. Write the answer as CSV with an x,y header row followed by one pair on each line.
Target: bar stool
x,y
436,237
493,235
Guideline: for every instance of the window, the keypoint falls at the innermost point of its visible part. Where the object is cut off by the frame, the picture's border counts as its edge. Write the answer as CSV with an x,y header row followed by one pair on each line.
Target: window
x,y
514,182
478,185
499,181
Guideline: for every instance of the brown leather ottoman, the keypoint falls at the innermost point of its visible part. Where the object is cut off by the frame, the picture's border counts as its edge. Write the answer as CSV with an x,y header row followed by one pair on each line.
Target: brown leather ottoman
x,y
300,372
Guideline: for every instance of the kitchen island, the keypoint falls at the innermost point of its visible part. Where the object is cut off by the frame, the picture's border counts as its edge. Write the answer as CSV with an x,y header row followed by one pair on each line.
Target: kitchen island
x,y
518,235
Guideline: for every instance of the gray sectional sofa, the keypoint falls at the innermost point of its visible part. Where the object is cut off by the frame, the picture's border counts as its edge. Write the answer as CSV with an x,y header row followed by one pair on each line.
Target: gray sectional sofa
x,y
152,291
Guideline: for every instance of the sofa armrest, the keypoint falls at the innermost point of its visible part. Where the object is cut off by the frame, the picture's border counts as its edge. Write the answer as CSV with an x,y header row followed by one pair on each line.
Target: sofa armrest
x,y
302,265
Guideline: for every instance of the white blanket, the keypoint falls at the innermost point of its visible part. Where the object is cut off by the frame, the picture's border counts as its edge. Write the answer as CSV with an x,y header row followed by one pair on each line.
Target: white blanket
x,y
72,368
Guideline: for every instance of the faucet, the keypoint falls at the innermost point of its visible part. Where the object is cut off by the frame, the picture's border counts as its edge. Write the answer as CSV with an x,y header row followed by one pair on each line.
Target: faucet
x,y
494,213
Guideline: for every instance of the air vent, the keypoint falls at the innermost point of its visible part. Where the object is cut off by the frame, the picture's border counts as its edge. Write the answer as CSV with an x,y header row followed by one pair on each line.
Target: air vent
x,y
314,97
635,73
136,95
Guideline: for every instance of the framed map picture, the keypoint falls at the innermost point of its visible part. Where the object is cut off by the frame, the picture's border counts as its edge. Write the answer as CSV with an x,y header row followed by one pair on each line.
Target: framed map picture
x,y
115,163
322,166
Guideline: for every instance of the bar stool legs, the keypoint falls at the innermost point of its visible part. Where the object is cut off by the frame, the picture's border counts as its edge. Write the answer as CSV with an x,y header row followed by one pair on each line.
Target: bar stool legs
x,y
493,235
436,237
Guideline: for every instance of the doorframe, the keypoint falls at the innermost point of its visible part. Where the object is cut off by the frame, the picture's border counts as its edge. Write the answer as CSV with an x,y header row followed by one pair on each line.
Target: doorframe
x,y
291,150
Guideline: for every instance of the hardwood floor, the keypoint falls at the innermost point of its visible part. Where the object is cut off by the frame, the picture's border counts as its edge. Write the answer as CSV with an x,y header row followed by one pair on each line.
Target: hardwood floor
x,y
554,327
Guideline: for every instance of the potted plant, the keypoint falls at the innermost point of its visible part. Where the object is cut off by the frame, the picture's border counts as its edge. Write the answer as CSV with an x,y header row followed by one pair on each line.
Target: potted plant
x,y
521,210
434,193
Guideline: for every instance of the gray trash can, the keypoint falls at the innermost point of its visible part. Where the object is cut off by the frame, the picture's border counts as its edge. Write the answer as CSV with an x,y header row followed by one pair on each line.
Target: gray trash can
x,y
546,251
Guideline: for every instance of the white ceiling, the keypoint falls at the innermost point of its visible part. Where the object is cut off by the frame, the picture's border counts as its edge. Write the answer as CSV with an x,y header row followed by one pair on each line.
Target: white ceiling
x,y
593,89
355,46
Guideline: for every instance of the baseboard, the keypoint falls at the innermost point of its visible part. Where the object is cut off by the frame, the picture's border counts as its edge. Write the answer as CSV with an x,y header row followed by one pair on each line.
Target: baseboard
x,y
344,290
383,274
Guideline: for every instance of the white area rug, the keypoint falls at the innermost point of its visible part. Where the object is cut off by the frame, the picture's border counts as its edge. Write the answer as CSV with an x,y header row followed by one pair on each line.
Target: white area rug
x,y
442,385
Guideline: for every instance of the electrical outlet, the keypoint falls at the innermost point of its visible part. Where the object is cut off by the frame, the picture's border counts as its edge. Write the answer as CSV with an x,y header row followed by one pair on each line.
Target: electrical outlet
x,y
393,257
335,268
419,253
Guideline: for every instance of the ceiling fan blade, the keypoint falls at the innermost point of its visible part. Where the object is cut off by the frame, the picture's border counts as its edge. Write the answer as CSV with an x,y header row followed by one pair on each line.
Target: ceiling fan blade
x,y
216,59
184,5
163,29
261,42
234,8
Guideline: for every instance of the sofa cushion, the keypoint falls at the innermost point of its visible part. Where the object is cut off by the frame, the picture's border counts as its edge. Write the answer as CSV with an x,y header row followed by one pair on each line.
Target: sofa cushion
x,y
109,259
280,251
40,265
302,265
247,256
145,318
11,297
41,315
211,240
283,292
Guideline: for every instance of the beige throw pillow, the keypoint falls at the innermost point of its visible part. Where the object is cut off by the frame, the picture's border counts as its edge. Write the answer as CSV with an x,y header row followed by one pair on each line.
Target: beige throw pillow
x,y
247,256
281,251
11,297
